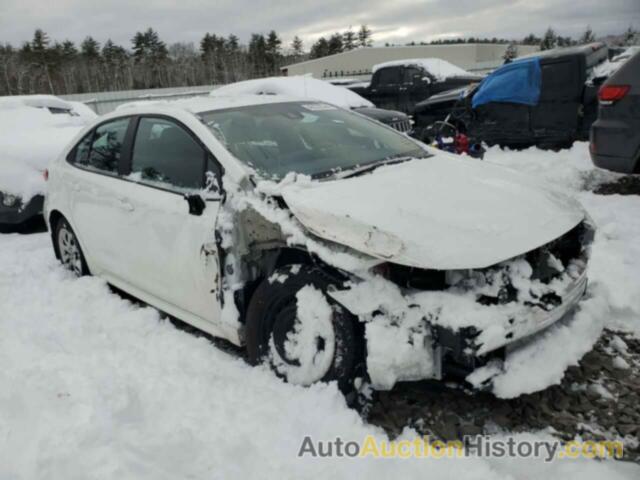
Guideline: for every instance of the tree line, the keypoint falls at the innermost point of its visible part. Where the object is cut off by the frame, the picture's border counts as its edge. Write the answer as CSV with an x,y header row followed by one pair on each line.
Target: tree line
x,y
45,66
550,39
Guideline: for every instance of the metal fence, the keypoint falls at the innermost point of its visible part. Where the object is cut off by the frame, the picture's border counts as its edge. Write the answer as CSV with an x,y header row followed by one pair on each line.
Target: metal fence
x,y
105,102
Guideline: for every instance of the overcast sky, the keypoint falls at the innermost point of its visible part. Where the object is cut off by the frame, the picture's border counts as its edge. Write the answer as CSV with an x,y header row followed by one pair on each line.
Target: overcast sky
x,y
394,21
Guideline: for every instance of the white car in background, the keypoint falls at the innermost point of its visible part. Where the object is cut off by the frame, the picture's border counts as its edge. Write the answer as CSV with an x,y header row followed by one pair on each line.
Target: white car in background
x,y
34,129
303,86
333,247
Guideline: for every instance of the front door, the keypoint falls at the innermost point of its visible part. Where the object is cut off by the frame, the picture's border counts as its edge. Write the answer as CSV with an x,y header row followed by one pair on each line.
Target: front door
x,y
172,252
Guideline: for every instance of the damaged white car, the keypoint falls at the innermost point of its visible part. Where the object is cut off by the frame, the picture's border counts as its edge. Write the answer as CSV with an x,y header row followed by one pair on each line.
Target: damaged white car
x,y
333,247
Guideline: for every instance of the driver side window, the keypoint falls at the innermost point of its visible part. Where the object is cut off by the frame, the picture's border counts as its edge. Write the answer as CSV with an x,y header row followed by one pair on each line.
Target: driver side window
x,y
165,155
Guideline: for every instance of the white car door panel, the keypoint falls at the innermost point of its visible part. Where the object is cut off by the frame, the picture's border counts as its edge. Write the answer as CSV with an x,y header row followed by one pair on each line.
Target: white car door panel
x,y
167,248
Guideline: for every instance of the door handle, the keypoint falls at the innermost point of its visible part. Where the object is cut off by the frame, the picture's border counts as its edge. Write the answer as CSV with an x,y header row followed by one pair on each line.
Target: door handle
x,y
126,204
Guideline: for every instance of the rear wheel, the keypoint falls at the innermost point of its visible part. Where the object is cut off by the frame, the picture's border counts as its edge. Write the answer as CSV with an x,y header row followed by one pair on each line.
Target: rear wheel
x,y
68,249
297,329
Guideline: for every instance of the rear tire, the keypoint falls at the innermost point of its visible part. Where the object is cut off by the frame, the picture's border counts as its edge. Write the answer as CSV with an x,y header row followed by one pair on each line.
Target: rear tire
x,y
68,248
273,319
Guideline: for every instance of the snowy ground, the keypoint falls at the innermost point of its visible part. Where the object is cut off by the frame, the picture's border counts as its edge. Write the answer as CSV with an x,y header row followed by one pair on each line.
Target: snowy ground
x,y
94,386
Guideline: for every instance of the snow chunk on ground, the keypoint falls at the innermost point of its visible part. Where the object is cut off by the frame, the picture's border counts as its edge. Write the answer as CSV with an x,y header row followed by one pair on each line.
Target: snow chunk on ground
x,y
298,86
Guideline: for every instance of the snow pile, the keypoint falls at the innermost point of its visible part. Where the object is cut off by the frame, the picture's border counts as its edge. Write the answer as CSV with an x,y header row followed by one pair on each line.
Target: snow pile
x,y
95,386
29,139
440,69
615,257
299,87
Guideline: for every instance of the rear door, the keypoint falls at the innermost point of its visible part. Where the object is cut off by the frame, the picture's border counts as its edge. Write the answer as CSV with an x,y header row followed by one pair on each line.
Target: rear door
x,y
557,114
172,248
385,88
416,88
97,205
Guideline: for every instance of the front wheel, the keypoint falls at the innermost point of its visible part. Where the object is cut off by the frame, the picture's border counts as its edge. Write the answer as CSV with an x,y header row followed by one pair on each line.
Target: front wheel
x,y
304,336
68,249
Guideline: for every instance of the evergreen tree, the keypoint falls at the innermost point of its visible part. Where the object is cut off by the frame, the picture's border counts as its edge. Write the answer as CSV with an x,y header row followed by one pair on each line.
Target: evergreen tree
x,y
349,39
549,40
510,53
297,47
531,39
320,48
587,36
364,36
90,49
272,51
335,44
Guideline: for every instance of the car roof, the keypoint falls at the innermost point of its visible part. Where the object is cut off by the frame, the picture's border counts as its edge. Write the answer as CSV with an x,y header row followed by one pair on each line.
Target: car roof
x,y
36,101
208,104
581,50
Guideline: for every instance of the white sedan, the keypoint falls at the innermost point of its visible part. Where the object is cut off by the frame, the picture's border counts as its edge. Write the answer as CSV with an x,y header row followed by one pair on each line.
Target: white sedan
x,y
333,247
34,129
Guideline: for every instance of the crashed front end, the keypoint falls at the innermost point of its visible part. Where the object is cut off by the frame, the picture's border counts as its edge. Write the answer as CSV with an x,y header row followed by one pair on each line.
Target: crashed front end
x,y
434,324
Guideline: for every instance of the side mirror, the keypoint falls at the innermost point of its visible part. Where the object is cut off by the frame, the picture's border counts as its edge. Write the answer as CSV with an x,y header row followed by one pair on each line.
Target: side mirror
x,y
196,203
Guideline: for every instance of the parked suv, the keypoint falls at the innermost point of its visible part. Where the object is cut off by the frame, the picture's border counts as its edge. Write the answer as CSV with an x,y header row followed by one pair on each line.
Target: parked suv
x,y
615,136
307,87
305,231
401,84
547,99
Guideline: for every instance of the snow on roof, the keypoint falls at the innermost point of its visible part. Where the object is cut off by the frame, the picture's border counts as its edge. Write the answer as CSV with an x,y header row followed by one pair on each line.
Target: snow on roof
x,y
37,101
303,87
29,139
441,69
210,103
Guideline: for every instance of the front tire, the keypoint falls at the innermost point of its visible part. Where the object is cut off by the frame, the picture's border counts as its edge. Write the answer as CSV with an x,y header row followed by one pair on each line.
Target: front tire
x,y
304,336
68,249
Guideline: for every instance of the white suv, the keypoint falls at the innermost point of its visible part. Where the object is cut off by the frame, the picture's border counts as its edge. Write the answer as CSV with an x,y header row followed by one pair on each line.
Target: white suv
x,y
332,246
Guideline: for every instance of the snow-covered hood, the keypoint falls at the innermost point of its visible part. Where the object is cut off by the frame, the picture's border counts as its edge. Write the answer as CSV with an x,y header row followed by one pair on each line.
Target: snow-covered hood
x,y
443,212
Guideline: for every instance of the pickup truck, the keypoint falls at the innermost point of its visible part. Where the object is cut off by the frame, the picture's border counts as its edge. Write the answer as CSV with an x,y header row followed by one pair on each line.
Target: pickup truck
x,y
400,85
548,99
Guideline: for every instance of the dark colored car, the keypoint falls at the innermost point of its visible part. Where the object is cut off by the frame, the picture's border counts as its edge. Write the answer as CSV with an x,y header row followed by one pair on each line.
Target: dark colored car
x,y
401,85
548,99
13,211
615,136
396,120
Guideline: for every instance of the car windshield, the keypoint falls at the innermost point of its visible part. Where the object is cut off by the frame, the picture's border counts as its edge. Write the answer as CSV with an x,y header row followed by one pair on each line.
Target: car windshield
x,y
310,138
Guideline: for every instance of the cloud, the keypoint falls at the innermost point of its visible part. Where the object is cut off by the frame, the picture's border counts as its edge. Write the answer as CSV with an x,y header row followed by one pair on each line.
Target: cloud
x,y
395,21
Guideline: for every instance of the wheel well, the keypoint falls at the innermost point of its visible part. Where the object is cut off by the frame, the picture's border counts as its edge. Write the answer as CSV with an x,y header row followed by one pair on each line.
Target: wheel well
x,y
54,218
270,260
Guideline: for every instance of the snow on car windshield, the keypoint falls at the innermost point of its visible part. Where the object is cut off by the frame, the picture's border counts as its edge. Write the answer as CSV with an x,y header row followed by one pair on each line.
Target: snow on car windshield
x,y
311,138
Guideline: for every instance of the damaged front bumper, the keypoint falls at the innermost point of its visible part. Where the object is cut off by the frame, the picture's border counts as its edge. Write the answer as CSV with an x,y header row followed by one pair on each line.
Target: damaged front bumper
x,y
414,335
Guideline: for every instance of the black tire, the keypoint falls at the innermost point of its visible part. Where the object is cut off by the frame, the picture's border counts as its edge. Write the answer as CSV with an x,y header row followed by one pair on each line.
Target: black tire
x,y
272,312
68,248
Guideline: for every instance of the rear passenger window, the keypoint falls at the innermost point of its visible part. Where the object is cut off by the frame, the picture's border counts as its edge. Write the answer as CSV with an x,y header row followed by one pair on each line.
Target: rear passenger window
x,y
165,154
80,154
389,76
105,148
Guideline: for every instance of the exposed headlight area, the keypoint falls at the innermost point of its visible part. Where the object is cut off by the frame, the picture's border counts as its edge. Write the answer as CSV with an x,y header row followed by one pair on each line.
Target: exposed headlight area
x,y
9,200
535,278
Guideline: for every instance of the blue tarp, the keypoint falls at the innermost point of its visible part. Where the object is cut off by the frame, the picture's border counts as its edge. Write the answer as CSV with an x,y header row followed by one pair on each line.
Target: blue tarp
x,y
515,82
